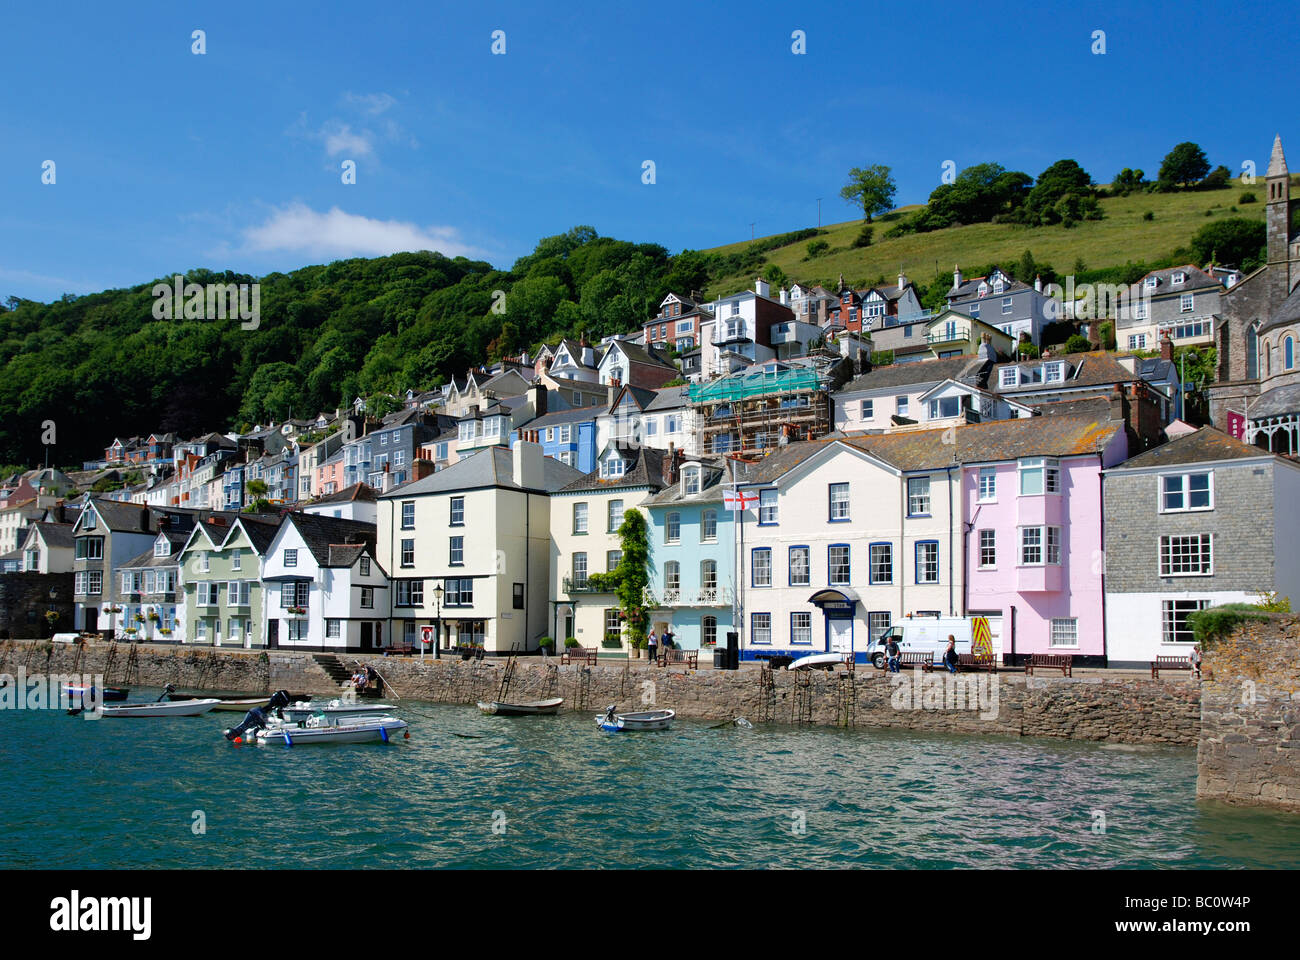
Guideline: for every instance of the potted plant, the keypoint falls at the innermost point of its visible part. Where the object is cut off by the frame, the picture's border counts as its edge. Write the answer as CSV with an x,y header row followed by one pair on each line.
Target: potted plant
x,y
570,642
611,641
547,644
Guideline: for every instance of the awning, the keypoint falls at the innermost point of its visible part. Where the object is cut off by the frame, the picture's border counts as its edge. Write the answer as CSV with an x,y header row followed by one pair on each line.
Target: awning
x,y
835,598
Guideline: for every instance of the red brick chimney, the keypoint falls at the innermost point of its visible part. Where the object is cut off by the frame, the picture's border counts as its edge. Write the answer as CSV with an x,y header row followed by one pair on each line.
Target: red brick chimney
x,y
1166,348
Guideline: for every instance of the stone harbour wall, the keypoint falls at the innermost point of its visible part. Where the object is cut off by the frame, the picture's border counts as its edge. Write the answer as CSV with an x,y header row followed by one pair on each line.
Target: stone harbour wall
x,y
1249,751
1119,709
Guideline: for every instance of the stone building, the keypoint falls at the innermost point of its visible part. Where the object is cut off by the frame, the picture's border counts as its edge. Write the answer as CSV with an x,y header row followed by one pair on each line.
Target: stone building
x,y
1257,393
1199,521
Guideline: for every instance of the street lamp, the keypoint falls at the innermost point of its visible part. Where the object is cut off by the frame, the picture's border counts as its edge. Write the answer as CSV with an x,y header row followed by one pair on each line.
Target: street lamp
x,y
437,621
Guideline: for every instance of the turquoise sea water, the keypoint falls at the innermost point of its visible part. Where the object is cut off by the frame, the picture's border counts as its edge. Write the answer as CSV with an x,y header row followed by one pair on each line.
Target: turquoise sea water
x,y
554,792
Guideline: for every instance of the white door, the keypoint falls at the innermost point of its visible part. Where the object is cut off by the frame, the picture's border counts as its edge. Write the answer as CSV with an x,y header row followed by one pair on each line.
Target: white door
x,y
841,634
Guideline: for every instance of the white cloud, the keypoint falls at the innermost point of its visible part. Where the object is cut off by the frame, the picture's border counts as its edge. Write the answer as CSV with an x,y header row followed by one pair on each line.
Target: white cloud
x,y
339,138
300,229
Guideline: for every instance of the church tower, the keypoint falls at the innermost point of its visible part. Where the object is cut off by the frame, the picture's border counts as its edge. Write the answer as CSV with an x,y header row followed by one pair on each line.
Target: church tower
x,y
1277,217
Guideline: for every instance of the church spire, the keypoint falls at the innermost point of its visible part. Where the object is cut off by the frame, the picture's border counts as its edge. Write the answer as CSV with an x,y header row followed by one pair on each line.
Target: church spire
x,y
1277,162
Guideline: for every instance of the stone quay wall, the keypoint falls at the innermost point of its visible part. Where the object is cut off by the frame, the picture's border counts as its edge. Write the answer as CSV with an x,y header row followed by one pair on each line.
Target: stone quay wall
x,y
1249,750
1119,709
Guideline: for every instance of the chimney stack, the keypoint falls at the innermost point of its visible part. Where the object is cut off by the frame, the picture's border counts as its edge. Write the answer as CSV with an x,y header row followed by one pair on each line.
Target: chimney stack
x,y
1038,283
785,297
761,287
956,276
1166,348
527,465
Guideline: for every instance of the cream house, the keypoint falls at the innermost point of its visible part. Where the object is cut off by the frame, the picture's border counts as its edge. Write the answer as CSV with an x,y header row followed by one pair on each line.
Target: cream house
x,y
585,517
468,550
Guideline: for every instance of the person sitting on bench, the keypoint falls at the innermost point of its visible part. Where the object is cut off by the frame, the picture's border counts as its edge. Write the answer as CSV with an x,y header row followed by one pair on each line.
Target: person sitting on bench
x,y
893,652
950,655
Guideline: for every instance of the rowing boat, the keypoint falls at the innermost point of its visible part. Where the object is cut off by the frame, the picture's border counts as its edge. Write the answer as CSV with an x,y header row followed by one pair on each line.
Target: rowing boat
x,y
166,708
531,708
612,722
322,730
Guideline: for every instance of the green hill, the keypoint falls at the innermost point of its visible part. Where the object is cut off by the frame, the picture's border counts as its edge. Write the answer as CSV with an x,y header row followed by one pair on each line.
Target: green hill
x,y
1122,236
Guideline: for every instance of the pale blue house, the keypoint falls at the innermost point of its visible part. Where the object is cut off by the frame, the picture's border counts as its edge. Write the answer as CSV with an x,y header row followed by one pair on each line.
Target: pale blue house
x,y
692,557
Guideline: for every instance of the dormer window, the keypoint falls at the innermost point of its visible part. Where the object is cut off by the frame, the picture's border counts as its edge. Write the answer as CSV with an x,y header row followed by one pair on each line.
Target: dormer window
x,y
1179,278
162,547
998,286
89,523
1152,282
983,289
1008,377
614,468
690,481
1054,372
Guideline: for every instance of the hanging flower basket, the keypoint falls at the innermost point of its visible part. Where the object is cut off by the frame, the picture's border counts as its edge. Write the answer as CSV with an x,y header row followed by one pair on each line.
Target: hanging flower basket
x,y
165,632
297,611
139,618
153,617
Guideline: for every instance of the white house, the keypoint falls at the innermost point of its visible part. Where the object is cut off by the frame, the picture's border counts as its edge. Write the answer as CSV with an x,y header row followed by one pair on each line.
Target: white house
x,y
323,588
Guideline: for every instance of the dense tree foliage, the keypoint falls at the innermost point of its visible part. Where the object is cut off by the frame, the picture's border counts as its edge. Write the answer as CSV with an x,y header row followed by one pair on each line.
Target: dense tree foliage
x,y
1183,165
1235,241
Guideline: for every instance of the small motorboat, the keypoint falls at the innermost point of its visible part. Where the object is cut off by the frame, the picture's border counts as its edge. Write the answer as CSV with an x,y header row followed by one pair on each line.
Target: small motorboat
x,y
334,710
532,708
612,722
167,708
107,695
818,661
338,730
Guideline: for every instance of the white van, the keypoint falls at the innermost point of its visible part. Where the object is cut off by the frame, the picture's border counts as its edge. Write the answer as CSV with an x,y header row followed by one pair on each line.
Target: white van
x,y
923,635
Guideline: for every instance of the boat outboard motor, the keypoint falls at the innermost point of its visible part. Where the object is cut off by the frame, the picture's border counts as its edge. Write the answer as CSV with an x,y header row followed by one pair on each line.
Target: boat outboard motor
x,y
610,716
255,719
166,694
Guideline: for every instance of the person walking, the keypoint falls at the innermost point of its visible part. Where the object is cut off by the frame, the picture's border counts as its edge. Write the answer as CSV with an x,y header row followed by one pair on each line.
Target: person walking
x,y
652,644
1195,658
950,655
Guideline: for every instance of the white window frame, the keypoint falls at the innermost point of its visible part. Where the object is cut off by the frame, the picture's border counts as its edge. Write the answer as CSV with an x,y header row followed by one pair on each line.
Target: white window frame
x,y
987,492
1066,629
1185,492
1178,550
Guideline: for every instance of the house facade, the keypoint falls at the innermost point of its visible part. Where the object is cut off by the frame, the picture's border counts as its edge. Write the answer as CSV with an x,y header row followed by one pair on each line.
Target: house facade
x,y
222,591
1198,522
468,550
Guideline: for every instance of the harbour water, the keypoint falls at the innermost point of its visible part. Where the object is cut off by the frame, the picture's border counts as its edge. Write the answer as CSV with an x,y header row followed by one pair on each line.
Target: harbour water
x,y
473,791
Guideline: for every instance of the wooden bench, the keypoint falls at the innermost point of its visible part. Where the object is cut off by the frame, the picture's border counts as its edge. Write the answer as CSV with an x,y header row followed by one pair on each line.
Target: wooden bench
x,y
399,650
1050,661
974,661
675,657
579,655
914,659
1169,663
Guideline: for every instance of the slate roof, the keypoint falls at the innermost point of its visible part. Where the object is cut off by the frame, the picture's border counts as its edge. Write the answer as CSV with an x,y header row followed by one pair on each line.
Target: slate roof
x,y
55,535
639,354
1205,445
322,533
1197,279
1288,314
344,555
970,288
642,396
357,493
260,532
921,371
577,414
125,516
1276,402
714,483
647,470
669,398
1095,368
147,559
995,441
492,467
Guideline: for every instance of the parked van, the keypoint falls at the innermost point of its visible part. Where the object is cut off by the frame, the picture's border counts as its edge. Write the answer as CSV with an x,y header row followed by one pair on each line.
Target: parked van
x,y
923,635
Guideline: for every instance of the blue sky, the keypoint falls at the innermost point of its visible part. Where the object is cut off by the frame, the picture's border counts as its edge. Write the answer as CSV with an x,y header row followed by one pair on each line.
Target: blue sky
x,y
167,160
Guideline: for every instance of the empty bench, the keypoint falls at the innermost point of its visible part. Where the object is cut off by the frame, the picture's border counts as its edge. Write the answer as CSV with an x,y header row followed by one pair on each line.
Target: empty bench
x,y
1050,661
974,661
400,650
1169,663
578,655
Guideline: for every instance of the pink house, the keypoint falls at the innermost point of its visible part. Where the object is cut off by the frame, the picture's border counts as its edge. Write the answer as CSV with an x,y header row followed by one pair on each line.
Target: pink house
x,y
1033,509
328,476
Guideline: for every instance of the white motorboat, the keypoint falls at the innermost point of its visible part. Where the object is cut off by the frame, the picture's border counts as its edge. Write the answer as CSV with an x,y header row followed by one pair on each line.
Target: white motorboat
x,y
334,710
612,722
165,708
818,661
337,730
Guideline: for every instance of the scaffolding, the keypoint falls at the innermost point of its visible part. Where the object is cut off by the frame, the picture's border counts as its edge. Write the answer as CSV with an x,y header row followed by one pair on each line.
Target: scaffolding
x,y
760,409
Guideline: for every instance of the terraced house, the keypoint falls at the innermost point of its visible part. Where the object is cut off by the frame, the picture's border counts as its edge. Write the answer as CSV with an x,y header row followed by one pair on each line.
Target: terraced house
x,y
323,588
106,535
585,545
1201,521
692,556
468,549
847,537
221,570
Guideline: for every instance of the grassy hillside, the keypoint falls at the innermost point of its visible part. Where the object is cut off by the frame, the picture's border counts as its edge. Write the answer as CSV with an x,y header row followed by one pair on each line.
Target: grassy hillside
x,y
1122,236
